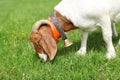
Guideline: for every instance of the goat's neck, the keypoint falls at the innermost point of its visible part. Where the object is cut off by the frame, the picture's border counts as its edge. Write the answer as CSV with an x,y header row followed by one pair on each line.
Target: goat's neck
x,y
65,24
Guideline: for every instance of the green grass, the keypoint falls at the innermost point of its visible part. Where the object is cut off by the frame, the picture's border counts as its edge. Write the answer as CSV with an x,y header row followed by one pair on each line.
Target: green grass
x,y
18,60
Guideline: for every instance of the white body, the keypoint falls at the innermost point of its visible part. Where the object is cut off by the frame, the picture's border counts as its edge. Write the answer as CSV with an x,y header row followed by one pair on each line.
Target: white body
x,y
90,14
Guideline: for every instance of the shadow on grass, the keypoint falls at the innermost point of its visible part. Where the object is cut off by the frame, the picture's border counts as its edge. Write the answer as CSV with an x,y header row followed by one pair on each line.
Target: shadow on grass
x,y
95,42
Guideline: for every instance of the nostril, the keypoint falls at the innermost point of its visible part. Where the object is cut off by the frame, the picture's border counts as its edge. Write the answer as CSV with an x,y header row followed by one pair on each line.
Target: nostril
x,y
43,56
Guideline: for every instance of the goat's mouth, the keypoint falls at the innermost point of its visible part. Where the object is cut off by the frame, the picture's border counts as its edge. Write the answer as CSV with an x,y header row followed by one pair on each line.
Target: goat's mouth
x,y
43,56
41,53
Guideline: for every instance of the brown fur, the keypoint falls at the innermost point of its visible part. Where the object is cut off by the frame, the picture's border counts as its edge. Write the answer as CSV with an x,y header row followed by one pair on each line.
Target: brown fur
x,y
64,22
35,39
44,41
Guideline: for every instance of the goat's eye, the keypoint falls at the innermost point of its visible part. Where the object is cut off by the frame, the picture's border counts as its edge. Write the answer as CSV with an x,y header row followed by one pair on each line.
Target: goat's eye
x,y
38,42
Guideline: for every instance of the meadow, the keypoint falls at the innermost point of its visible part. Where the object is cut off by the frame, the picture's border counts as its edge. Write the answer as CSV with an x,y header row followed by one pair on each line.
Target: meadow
x,y
18,61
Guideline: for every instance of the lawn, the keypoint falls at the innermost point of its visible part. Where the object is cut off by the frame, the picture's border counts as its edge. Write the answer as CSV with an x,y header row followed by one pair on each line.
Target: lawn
x,y
18,61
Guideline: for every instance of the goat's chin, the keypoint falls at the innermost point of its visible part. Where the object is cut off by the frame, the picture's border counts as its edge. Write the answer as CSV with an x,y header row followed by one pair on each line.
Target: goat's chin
x,y
43,56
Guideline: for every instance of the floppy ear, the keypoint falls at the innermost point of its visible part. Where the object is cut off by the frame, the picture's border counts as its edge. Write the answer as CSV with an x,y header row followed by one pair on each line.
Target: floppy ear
x,y
48,42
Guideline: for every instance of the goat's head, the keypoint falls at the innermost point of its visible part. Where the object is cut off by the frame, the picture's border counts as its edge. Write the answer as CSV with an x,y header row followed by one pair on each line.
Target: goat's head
x,y
44,42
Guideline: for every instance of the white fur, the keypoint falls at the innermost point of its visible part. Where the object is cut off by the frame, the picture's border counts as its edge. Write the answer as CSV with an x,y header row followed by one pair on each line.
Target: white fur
x,y
91,14
82,50
43,56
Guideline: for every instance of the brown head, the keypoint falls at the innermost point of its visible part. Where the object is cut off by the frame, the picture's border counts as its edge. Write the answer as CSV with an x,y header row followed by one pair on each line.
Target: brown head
x,y
44,42
44,36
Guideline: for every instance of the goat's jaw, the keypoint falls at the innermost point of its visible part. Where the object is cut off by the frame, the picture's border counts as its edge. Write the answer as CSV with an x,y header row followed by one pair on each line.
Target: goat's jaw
x,y
43,56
